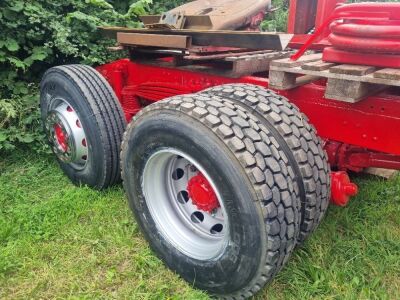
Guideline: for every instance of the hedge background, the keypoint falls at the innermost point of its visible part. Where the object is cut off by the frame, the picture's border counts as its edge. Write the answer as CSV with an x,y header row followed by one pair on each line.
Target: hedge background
x,y
38,34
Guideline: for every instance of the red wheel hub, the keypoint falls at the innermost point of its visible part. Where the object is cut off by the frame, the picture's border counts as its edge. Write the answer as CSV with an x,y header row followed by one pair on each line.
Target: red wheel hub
x,y
202,193
61,137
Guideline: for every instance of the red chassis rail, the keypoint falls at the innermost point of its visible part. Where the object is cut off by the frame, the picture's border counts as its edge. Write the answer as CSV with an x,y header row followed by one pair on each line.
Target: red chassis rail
x,y
360,135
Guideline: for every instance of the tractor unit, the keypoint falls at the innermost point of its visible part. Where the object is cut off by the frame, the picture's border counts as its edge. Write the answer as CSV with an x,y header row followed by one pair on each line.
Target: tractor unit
x,y
231,142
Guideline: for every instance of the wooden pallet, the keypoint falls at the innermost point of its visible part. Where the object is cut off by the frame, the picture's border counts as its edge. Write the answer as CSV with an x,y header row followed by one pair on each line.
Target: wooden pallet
x,y
251,64
349,83
236,65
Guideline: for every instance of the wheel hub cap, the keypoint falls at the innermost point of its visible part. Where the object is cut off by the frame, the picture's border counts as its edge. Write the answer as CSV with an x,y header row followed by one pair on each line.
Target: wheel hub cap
x,y
62,139
66,135
202,193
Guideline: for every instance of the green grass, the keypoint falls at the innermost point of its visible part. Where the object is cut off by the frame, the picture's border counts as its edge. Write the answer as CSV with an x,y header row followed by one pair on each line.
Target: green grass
x,y
61,241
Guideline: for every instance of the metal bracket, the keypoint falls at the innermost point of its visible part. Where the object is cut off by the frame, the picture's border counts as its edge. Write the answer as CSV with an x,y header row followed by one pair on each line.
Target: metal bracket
x,y
167,20
176,19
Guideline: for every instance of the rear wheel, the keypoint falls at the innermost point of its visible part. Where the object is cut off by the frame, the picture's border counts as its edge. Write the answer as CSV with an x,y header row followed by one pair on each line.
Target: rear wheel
x,y
212,193
298,140
84,124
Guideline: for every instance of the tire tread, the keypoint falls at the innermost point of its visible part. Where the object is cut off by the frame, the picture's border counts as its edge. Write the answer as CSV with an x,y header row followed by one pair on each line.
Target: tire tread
x,y
298,139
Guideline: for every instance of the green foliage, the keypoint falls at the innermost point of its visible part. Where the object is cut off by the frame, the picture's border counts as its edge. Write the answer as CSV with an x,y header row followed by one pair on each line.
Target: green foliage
x,y
38,34
165,5
19,119
277,20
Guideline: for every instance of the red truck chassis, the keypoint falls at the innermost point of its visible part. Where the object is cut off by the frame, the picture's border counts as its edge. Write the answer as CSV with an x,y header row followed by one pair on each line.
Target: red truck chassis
x,y
356,135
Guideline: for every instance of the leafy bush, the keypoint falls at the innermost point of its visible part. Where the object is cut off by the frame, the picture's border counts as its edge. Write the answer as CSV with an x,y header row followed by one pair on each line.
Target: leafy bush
x,y
165,5
157,7
38,34
277,21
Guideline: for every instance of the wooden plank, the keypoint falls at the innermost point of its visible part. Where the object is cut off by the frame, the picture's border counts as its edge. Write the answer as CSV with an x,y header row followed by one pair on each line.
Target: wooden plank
x,y
223,55
270,55
226,56
355,70
152,40
317,66
392,74
221,38
302,80
384,173
249,66
189,66
282,80
350,91
236,66
286,81
288,63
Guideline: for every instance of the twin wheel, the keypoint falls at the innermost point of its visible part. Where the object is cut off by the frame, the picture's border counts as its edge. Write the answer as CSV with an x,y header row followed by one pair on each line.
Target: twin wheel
x,y
224,183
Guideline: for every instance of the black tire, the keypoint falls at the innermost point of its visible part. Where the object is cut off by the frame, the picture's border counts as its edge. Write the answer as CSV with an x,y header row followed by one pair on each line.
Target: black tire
x,y
251,173
298,140
101,118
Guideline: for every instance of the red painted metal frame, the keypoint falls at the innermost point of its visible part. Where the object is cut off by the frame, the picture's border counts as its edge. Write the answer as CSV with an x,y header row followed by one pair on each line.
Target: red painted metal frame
x,y
357,135
304,15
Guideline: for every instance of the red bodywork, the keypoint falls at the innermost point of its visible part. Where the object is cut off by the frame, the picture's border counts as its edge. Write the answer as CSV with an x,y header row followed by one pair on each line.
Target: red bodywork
x,y
356,136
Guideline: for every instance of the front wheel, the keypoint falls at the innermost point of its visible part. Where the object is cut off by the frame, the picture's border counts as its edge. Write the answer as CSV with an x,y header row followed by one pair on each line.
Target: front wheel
x,y
84,124
211,192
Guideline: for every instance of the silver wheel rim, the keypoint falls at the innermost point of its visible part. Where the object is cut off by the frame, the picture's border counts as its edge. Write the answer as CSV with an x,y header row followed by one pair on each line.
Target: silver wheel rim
x,y
66,134
196,233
